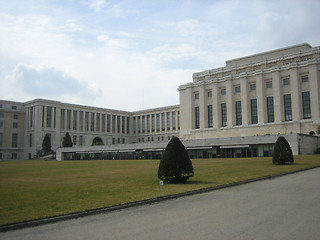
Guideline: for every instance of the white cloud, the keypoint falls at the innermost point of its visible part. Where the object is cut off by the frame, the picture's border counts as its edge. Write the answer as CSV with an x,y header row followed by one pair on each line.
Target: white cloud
x,y
97,5
27,81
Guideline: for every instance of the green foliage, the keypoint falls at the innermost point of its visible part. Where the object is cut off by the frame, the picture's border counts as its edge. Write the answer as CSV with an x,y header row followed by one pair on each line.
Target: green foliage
x,y
318,129
175,165
67,142
282,152
46,144
317,151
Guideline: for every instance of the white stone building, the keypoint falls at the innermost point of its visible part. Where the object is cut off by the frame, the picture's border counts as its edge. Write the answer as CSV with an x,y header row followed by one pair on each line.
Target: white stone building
x,y
233,111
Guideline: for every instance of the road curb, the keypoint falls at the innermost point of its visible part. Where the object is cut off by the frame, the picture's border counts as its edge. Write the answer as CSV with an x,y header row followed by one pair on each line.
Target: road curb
x,y
43,221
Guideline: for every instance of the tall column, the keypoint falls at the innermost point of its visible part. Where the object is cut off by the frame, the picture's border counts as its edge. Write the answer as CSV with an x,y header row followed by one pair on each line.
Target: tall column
x,y
295,94
314,81
277,97
202,107
230,104
186,110
261,100
215,106
244,101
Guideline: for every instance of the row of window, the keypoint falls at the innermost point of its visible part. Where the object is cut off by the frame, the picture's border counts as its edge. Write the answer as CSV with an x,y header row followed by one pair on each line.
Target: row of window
x,y
156,122
306,111
152,139
252,86
99,122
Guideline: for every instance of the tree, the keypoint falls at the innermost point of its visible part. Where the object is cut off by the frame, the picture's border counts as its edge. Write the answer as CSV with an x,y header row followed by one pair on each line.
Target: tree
x,y
46,144
175,165
67,142
282,152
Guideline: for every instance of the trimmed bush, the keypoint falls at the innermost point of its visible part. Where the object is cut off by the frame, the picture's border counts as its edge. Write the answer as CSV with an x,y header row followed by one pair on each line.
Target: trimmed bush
x,y
175,165
282,152
46,144
67,142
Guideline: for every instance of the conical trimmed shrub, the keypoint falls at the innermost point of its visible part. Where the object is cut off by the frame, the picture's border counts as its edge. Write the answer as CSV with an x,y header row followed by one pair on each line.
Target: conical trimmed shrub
x,y
67,142
175,165
282,152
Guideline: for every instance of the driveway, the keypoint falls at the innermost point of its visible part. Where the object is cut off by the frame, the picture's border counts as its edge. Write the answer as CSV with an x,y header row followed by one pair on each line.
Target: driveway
x,y
286,207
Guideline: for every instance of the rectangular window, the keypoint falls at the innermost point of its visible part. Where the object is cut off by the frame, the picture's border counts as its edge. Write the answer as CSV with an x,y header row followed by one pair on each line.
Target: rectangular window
x,y
81,120
306,105
173,120
148,123
270,109
254,111
168,121
103,123
134,125
196,95
15,116
209,94
304,79
138,125
1,124
15,125
87,121
223,91
269,85
128,125
80,140
197,117
14,155
49,117
14,140
152,123
74,140
163,122
223,114
210,116
31,118
238,113
143,124
1,115
69,119
43,116
118,124
287,107
252,87
75,120
123,123
92,122
113,124
108,123
286,81
62,119
158,122
98,122
237,89
30,140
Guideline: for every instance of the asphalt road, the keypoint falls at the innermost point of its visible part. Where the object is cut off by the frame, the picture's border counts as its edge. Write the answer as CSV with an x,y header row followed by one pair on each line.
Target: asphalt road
x,y
286,207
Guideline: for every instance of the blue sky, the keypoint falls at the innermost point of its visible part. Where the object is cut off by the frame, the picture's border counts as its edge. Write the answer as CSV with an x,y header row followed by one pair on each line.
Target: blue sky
x,y
133,55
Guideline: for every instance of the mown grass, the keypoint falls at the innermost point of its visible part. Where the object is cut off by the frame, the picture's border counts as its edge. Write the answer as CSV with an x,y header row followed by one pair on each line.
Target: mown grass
x,y
37,189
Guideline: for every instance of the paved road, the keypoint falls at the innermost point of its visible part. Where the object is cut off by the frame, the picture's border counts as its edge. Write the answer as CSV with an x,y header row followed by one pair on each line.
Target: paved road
x,y
282,208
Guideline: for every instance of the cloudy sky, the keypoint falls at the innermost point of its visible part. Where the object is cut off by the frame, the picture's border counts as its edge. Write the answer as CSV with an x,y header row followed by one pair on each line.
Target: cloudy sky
x,y
134,54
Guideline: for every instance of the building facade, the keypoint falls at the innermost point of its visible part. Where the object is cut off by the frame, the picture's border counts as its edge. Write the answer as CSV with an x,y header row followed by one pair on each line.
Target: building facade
x,y
276,92
266,94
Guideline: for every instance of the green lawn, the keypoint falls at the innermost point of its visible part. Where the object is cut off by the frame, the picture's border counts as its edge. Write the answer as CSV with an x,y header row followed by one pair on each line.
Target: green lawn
x,y
36,189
